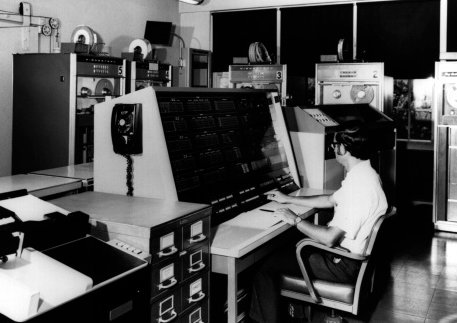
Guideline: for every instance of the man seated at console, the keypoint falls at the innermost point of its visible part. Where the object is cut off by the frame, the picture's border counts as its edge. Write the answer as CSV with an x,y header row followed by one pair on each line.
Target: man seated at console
x,y
357,205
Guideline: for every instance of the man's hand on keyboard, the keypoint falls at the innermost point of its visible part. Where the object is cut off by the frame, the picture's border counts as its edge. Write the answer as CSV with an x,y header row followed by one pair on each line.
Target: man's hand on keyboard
x,y
277,196
286,215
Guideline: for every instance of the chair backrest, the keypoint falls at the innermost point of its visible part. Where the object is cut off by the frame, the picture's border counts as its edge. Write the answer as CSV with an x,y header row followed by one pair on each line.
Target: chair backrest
x,y
375,230
365,281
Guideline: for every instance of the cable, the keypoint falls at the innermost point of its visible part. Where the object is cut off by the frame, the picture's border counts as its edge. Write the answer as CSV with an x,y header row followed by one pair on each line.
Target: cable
x,y
129,176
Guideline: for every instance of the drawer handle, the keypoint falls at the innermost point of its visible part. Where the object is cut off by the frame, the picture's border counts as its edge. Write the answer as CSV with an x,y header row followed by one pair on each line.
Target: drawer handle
x,y
173,282
200,237
171,318
199,298
172,251
201,265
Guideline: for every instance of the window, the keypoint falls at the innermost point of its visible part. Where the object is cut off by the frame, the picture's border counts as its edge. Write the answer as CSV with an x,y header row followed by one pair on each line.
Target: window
x,y
233,32
402,34
307,33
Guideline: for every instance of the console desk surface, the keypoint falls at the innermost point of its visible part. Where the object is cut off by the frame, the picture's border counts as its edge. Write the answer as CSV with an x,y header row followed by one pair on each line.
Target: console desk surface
x,y
84,172
39,185
235,248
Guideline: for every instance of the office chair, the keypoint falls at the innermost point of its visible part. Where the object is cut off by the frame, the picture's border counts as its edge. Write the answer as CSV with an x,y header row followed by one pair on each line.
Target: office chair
x,y
339,296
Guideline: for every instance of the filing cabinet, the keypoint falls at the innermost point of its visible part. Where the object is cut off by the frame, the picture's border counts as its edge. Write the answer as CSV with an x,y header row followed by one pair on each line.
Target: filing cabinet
x,y
180,270
175,234
196,314
164,242
194,290
166,309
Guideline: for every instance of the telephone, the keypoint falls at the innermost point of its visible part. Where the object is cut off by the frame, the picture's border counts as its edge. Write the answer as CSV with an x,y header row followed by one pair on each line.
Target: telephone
x,y
126,129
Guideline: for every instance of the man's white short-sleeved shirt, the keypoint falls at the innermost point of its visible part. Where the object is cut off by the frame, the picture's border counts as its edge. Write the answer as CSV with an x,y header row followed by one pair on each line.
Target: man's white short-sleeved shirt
x,y
358,204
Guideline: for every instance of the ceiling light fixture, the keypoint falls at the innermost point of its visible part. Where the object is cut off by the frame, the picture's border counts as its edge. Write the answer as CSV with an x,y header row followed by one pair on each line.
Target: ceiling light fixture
x,y
195,2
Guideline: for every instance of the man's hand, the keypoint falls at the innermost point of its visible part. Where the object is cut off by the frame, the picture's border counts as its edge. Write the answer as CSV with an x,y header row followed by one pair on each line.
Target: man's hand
x,y
286,215
279,197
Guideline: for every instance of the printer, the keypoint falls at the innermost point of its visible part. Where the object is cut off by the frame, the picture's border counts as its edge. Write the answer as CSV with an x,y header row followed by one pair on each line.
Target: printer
x,y
51,270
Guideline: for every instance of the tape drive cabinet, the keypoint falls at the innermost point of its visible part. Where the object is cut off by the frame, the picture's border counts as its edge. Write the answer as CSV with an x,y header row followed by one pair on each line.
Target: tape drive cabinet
x,y
53,102
353,83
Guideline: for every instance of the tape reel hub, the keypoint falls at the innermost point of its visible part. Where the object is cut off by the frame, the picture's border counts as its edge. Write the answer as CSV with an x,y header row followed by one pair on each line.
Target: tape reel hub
x,y
336,94
362,94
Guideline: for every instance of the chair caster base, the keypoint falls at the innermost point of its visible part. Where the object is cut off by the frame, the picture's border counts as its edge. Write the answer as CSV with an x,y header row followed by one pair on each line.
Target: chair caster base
x,y
333,319
300,312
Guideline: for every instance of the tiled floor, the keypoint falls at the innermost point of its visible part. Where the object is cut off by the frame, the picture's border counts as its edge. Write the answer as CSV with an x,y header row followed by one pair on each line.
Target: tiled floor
x,y
423,282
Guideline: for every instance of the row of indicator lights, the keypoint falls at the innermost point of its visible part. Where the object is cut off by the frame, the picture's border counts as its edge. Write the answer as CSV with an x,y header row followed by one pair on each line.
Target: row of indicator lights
x,y
247,190
128,247
222,210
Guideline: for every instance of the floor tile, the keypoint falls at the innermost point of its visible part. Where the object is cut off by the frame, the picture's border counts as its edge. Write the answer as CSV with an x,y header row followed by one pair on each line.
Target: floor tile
x,y
445,297
420,278
404,289
439,311
447,284
406,304
384,316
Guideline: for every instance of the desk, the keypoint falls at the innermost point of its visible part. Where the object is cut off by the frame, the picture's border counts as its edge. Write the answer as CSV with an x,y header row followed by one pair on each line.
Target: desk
x,y
235,248
39,185
84,172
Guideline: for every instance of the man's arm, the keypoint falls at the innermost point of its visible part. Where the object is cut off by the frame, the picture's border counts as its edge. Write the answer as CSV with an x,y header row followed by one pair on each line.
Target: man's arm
x,y
329,236
317,201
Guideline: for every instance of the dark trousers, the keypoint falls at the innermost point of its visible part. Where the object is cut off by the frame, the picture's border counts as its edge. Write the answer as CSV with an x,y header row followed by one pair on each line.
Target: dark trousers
x,y
265,297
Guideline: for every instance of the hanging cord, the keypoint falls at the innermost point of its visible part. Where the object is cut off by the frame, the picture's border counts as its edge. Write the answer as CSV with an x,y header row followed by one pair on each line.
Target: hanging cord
x,y
129,176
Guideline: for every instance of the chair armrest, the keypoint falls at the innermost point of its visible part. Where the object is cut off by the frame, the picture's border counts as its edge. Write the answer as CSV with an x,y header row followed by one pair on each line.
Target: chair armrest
x,y
305,275
336,250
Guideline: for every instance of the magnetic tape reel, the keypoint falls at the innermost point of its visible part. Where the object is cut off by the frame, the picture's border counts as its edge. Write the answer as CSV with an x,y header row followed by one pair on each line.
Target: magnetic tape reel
x,y
451,95
84,35
141,47
104,87
258,53
46,30
362,94
343,51
54,23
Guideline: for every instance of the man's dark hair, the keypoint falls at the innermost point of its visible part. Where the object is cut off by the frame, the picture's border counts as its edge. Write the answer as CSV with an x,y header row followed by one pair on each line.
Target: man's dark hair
x,y
357,141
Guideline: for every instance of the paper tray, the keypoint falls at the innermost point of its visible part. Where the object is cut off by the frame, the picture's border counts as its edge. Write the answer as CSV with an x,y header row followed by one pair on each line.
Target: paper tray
x,y
96,259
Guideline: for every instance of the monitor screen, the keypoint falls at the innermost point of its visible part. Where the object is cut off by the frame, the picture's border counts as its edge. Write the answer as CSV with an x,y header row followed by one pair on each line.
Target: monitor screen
x,y
158,32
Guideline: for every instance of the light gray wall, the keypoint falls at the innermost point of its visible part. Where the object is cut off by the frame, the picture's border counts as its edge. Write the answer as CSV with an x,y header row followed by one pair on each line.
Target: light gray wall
x,y
117,22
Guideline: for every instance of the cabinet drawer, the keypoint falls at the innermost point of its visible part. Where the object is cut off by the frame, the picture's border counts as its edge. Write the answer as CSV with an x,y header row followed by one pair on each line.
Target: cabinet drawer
x,y
194,291
165,243
197,314
195,261
165,276
167,308
195,231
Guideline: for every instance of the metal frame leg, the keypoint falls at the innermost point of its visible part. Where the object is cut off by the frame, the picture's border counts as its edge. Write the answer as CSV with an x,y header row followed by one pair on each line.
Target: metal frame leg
x,y
232,289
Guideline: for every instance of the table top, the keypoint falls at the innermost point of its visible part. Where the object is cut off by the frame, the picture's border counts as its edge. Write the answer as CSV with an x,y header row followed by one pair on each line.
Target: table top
x,y
127,214
80,171
38,185
233,239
